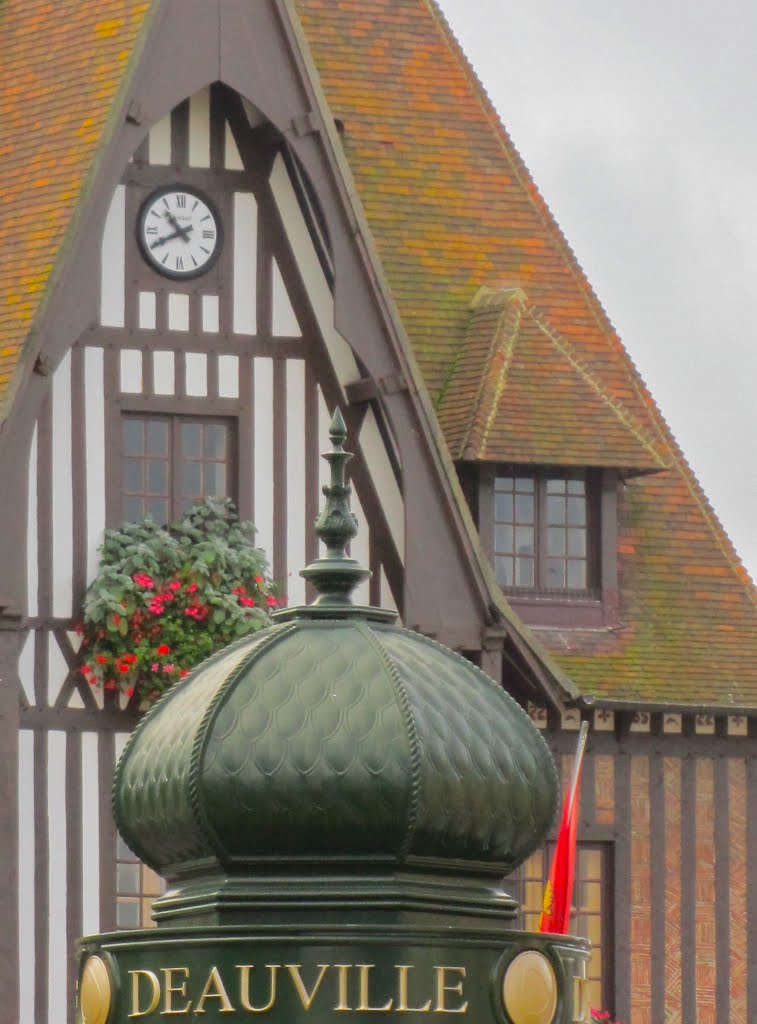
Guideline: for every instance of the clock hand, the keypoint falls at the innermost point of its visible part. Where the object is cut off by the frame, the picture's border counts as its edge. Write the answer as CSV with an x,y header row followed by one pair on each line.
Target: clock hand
x,y
181,233
179,229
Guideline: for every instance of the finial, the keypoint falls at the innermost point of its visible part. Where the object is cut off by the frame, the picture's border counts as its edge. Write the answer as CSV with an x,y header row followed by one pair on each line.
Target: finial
x,y
335,575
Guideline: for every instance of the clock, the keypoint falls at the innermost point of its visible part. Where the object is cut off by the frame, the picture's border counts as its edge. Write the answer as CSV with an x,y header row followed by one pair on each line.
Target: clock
x,y
179,232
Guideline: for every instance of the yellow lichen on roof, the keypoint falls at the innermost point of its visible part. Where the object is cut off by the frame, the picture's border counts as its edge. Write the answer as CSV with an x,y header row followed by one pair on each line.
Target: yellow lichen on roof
x,y
61,67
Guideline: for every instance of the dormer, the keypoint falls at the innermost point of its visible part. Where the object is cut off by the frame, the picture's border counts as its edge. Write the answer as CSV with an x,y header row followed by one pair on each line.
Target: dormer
x,y
542,447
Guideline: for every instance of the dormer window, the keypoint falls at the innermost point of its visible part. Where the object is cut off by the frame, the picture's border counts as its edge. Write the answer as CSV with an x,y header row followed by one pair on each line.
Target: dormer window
x,y
551,535
544,529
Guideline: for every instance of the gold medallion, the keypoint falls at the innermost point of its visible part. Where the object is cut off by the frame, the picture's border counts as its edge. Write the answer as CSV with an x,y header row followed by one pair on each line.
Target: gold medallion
x,y
95,992
529,990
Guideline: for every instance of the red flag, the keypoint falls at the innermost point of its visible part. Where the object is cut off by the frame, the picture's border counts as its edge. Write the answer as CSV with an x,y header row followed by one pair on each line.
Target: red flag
x,y
555,915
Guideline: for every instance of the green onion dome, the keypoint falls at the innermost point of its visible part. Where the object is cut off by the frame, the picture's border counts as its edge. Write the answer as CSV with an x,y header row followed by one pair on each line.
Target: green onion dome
x,y
335,738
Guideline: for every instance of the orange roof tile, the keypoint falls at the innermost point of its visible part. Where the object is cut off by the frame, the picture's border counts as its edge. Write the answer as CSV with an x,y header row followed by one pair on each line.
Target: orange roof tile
x,y
521,393
62,65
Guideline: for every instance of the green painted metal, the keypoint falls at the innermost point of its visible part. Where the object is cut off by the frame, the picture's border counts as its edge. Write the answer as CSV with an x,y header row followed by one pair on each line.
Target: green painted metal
x,y
335,791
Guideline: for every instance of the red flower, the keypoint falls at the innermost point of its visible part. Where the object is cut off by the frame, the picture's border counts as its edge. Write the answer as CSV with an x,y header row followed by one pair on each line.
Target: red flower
x,y
247,602
184,672
191,588
156,606
258,580
124,668
174,585
271,601
163,649
130,692
101,659
111,685
116,619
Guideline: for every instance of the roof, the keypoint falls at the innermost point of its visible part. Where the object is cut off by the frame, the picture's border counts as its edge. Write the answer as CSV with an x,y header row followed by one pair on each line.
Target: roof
x,y
452,208
521,393
53,114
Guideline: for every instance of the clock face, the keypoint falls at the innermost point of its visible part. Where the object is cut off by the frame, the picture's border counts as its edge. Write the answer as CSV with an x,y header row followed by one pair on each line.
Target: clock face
x,y
179,232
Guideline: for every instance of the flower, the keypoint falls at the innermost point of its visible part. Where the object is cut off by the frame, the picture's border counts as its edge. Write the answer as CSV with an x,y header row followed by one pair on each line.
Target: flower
x,y
143,580
184,672
155,667
247,602
271,601
156,606
259,580
130,692
124,668
101,659
168,668
174,585
191,588
163,649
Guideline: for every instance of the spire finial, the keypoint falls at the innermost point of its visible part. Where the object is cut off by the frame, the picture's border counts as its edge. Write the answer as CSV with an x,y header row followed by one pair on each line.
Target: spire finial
x,y
335,575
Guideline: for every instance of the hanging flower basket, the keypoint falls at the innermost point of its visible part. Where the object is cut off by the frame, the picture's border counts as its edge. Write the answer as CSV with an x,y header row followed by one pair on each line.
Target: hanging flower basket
x,y
166,598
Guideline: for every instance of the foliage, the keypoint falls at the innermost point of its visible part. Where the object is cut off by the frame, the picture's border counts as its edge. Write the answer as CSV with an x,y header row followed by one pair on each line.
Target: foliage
x,y
166,598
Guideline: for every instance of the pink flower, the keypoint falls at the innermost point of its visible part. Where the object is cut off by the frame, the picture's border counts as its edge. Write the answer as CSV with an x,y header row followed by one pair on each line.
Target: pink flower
x,y
174,585
143,580
155,667
258,580
156,606
271,601
168,668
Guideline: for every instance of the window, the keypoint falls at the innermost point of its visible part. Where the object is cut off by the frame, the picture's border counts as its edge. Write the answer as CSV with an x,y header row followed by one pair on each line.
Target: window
x,y
170,462
137,887
544,531
591,913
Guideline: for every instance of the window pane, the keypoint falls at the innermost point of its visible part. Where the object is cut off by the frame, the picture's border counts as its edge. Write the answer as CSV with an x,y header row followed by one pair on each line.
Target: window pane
x,y
577,511
577,543
556,573
127,914
555,510
157,437
191,479
157,477
524,540
133,509
576,575
503,539
524,572
215,441
524,484
132,476
556,486
576,487
503,483
555,541
191,440
122,850
215,480
524,508
503,570
158,509
133,436
503,507
127,878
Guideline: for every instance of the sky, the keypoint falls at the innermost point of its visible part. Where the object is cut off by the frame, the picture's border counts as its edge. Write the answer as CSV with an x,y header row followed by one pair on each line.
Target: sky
x,y
638,122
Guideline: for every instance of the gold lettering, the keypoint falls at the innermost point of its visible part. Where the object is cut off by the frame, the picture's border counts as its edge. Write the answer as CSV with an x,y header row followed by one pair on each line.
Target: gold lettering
x,y
442,987
155,998
342,969
171,990
365,970
306,998
402,1006
214,990
244,988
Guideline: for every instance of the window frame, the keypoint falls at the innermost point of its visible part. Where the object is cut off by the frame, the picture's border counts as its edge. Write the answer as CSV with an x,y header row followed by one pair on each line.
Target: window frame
x,y
519,884
592,607
175,420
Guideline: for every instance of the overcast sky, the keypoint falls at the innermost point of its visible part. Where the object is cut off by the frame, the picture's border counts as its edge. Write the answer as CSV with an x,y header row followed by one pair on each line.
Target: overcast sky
x,y
638,122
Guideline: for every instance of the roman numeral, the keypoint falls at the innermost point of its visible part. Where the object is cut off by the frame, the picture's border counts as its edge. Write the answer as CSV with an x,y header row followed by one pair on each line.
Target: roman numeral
x,y
194,260
179,263
208,233
196,204
151,231
181,201
206,251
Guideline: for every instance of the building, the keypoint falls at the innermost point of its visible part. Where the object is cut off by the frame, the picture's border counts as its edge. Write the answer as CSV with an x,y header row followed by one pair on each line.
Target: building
x,y
375,242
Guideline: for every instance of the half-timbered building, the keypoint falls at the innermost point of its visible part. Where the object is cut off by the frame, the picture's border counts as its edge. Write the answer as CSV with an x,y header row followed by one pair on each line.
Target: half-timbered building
x,y
219,220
